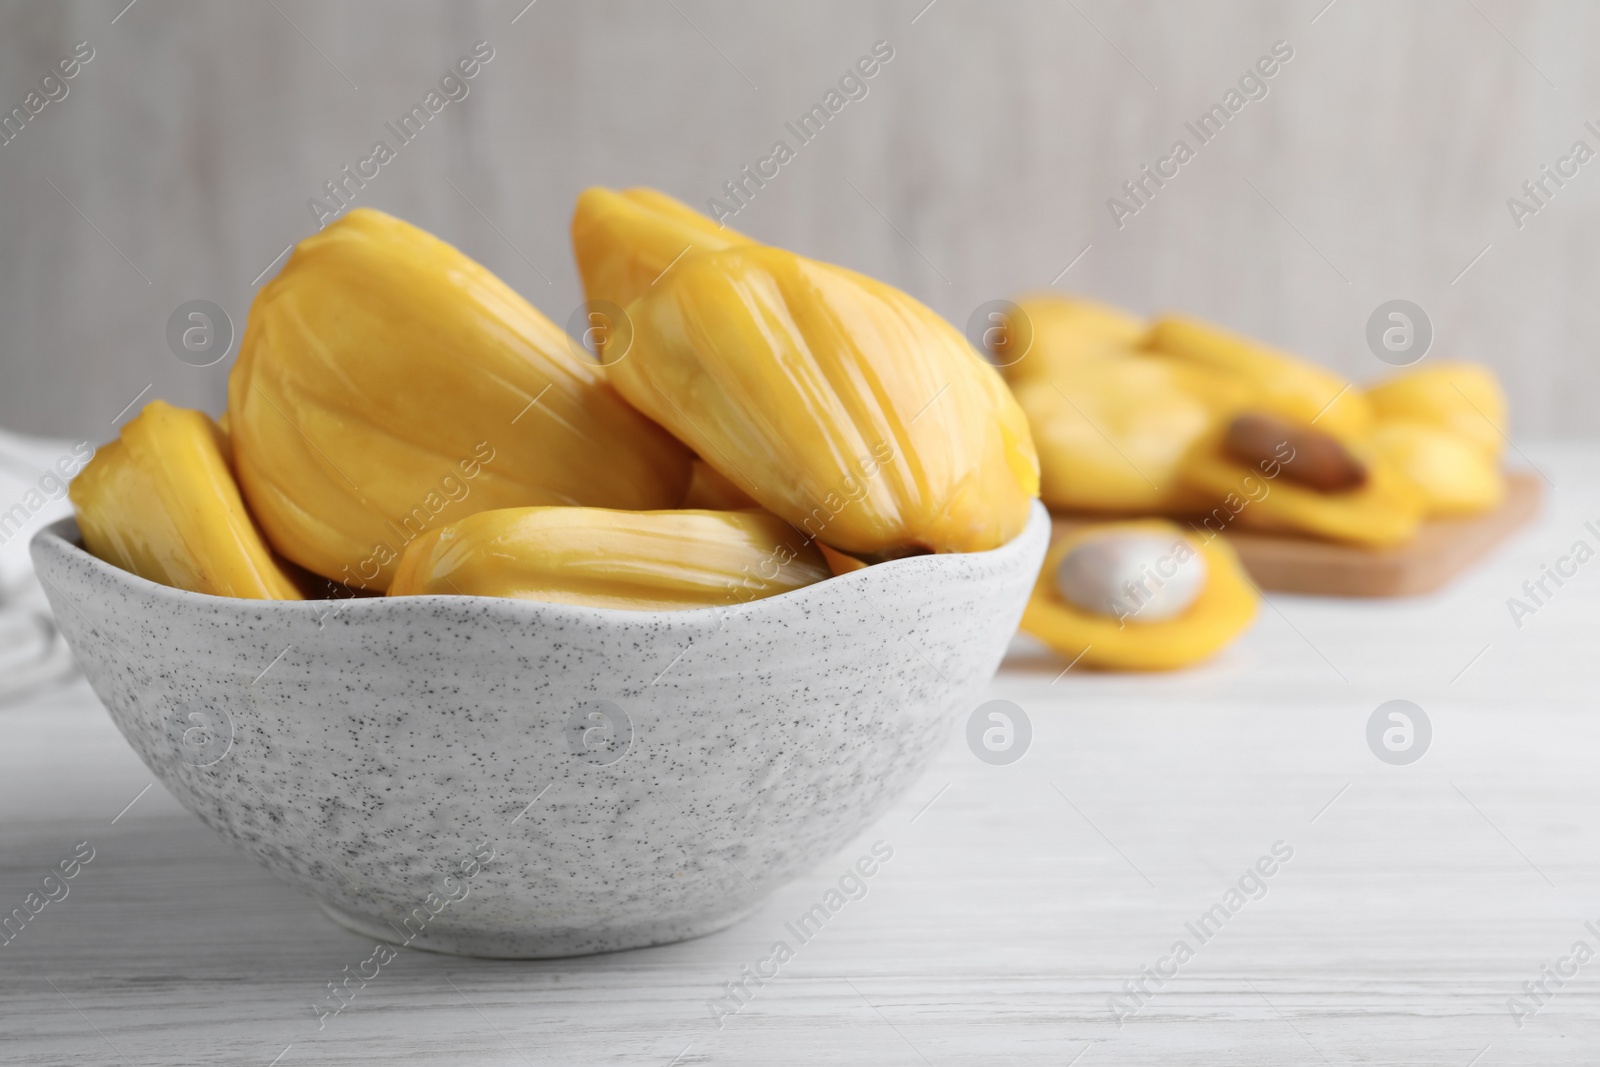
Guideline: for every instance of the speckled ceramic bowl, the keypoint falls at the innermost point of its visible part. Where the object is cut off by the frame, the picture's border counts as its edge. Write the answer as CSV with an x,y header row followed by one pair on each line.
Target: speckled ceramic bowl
x,y
506,778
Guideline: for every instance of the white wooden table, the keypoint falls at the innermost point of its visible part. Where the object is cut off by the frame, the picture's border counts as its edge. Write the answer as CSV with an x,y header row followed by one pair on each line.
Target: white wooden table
x,y
1419,898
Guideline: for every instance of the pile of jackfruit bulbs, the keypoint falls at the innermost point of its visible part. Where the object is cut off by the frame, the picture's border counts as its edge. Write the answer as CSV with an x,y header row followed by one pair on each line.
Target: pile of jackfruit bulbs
x,y
1181,419
400,421
752,421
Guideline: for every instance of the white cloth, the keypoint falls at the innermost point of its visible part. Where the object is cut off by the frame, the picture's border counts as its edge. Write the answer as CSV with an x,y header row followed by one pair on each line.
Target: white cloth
x,y
33,494
33,476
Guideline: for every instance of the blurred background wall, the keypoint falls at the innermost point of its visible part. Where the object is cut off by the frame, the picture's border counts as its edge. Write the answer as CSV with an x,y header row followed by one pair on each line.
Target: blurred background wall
x,y
978,165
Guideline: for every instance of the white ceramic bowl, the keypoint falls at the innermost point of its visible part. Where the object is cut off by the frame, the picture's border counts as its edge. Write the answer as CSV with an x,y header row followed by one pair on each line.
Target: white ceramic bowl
x,y
638,777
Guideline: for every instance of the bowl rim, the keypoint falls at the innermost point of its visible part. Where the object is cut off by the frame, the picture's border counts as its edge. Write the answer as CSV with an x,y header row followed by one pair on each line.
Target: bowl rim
x,y
61,537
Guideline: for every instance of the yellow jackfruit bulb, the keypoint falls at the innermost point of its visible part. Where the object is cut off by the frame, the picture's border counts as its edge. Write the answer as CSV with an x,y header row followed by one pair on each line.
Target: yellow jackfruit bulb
x,y
1113,434
841,404
1464,398
1452,474
1048,336
1139,596
161,502
1284,385
635,560
1269,473
625,241
387,384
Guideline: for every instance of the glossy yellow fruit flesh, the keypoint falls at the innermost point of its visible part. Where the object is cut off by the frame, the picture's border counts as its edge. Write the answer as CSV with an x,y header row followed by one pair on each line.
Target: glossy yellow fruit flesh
x,y
1113,433
387,384
626,241
1452,474
1385,510
1222,611
711,491
1281,384
839,403
1052,335
1463,398
838,562
635,560
161,502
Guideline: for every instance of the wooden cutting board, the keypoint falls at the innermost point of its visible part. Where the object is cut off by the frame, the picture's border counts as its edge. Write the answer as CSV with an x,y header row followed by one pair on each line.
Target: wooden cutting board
x,y
1442,549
